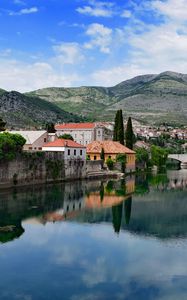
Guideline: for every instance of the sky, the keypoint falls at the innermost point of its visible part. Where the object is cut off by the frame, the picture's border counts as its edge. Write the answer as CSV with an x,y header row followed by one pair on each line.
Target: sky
x,y
66,43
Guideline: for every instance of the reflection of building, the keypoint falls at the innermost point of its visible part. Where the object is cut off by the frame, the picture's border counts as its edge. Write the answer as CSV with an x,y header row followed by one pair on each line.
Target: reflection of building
x,y
111,150
177,179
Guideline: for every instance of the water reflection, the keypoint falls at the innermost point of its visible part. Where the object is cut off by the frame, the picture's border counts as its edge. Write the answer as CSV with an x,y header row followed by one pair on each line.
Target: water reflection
x,y
95,240
143,205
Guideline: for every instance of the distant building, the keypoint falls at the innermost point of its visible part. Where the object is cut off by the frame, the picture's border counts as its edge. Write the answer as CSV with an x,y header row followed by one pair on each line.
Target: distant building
x,y
85,133
71,149
34,139
111,150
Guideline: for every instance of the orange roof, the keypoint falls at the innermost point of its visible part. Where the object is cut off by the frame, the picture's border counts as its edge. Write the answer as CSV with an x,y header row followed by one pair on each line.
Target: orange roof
x,y
64,143
75,126
110,147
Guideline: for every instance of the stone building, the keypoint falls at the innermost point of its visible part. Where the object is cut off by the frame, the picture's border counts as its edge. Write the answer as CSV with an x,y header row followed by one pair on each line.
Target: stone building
x,y
85,133
71,149
111,150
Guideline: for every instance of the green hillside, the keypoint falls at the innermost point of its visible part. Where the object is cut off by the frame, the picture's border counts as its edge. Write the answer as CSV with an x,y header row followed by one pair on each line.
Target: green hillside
x,y
150,98
21,111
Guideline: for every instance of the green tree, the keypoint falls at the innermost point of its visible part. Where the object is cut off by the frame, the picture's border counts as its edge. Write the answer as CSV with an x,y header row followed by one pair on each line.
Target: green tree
x,y
50,127
119,128
110,163
142,156
129,135
158,156
102,155
2,125
10,145
66,136
121,157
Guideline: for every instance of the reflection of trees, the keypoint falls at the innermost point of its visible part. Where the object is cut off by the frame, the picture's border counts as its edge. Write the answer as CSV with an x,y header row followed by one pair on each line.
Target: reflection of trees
x,y
9,233
116,217
127,206
102,191
141,184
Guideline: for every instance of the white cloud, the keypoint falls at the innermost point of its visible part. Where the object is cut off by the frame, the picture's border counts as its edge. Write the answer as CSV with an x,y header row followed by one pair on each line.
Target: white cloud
x,y
126,14
153,48
16,75
97,9
100,36
68,53
24,11
174,9
19,2
5,52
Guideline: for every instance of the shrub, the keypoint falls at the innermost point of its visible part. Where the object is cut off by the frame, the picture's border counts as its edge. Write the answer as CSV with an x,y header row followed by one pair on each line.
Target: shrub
x,y
110,163
10,145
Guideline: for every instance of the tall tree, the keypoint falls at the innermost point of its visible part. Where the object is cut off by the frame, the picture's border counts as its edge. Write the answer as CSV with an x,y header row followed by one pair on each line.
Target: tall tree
x,y
50,127
119,128
2,125
129,135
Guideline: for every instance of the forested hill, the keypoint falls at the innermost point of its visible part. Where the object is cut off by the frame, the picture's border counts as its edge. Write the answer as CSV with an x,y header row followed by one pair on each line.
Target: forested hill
x,y
21,111
152,98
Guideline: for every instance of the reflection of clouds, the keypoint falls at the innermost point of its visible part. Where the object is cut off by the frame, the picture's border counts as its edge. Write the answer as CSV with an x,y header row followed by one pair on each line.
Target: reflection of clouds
x,y
96,258
95,273
90,296
67,255
23,297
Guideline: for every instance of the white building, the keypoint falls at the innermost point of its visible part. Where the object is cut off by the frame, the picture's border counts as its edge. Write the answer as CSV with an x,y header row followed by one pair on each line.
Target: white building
x,y
85,133
71,149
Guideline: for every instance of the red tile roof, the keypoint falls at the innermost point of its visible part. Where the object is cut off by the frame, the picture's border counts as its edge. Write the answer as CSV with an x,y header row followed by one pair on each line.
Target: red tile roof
x,y
75,126
64,143
109,147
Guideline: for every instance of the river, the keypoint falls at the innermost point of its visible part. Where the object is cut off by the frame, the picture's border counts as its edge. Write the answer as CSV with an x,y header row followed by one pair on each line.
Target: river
x,y
93,240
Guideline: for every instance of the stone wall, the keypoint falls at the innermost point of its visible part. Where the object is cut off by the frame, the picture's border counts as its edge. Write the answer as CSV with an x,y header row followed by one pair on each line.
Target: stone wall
x,y
94,166
39,167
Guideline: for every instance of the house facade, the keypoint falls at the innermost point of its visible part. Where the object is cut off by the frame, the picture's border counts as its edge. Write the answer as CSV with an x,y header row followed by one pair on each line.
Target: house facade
x,y
70,149
84,133
34,139
111,150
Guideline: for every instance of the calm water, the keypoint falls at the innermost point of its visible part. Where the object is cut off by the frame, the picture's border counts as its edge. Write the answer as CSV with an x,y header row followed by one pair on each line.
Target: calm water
x,y
96,240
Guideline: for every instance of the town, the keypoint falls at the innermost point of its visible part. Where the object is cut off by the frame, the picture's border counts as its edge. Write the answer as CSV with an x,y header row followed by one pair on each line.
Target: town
x,y
88,150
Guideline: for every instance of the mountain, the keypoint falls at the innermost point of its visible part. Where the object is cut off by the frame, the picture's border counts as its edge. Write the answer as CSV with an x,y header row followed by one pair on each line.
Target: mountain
x,y
152,98
21,111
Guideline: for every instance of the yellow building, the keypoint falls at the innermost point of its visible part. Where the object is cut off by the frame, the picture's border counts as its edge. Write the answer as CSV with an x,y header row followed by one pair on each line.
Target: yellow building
x,y
111,150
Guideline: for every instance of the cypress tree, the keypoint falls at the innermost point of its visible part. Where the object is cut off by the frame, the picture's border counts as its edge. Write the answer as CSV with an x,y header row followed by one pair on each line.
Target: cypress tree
x,y
116,126
102,155
119,128
2,125
129,135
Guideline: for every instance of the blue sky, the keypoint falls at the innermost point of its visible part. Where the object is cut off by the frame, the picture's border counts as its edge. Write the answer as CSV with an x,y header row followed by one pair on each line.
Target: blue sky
x,y
88,42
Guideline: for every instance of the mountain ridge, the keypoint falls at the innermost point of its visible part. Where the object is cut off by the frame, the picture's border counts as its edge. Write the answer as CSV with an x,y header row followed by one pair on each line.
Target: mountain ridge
x,y
21,111
151,98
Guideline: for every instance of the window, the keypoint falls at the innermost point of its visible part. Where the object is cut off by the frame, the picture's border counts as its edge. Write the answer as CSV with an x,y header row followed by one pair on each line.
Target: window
x,y
80,152
68,151
109,156
74,152
95,157
45,140
30,148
